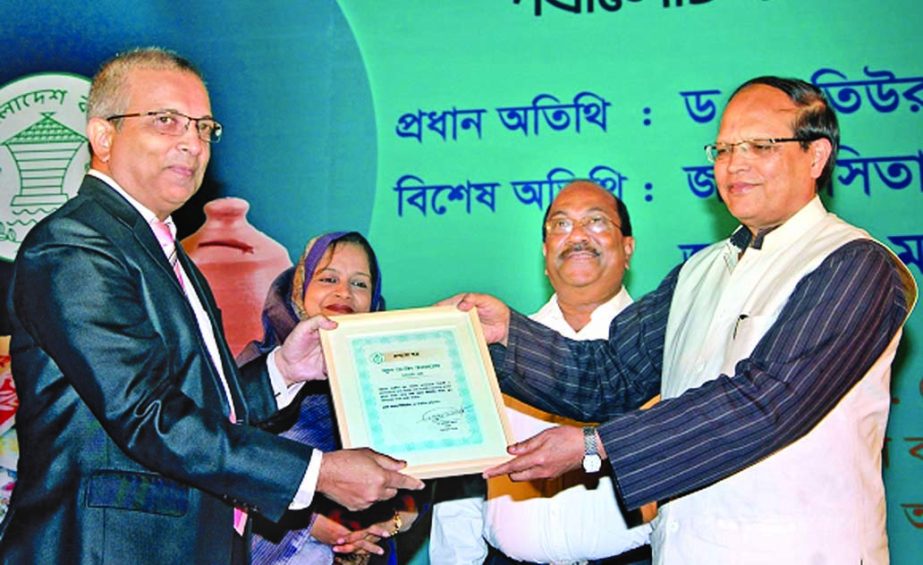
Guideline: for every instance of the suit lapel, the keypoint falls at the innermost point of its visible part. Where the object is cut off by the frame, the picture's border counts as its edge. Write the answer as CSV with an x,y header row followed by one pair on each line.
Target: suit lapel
x,y
124,212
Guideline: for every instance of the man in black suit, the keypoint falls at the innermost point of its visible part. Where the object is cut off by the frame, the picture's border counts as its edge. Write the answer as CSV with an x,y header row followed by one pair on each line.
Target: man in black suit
x,y
135,427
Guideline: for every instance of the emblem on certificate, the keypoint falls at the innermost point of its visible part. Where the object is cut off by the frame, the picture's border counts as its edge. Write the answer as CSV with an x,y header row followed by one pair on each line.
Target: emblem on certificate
x,y
418,385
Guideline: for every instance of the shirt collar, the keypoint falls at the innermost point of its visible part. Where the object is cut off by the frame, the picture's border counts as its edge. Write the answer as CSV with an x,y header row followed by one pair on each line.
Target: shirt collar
x,y
602,316
608,310
812,211
147,214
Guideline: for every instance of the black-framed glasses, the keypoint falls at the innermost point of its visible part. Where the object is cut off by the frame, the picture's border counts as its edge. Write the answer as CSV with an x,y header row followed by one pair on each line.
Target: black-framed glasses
x,y
596,223
171,122
748,148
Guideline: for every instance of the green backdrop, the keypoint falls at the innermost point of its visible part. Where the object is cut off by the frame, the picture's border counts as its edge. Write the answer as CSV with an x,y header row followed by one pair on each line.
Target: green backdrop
x,y
438,129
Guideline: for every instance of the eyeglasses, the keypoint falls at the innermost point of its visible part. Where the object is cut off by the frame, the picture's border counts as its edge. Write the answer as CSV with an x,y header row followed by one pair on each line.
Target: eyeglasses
x,y
597,224
749,149
169,122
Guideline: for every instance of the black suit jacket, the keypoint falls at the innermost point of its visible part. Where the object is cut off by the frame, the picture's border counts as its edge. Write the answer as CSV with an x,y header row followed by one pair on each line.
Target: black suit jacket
x,y
127,453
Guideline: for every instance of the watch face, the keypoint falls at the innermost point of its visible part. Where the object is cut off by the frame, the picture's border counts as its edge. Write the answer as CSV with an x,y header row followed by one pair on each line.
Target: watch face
x,y
592,463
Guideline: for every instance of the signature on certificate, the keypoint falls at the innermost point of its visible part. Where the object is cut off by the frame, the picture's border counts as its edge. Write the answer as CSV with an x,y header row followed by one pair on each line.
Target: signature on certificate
x,y
444,416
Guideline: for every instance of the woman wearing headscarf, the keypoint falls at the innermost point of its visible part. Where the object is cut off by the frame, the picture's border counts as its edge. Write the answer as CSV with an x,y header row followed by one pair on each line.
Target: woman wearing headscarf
x,y
337,274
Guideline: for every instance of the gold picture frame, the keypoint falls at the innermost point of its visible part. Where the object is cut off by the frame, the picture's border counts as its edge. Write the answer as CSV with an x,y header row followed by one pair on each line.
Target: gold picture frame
x,y
418,385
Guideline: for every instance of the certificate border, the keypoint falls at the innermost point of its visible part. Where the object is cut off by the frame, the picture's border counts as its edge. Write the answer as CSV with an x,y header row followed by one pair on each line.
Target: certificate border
x,y
345,373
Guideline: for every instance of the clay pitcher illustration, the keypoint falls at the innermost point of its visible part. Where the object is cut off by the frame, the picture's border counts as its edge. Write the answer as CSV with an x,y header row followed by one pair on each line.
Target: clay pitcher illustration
x,y
240,263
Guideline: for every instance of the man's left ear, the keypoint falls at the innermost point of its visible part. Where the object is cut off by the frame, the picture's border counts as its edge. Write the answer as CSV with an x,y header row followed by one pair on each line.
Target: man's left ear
x,y
629,243
99,133
545,256
821,150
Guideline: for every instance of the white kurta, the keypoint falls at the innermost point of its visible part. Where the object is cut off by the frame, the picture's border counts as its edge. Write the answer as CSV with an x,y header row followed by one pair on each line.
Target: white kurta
x,y
798,505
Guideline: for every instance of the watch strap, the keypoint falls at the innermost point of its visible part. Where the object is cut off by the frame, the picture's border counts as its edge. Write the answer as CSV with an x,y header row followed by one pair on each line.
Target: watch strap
x,y
589,440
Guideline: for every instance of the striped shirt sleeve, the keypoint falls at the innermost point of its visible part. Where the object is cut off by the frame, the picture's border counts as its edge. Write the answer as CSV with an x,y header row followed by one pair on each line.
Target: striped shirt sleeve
x,y
837,322
597,379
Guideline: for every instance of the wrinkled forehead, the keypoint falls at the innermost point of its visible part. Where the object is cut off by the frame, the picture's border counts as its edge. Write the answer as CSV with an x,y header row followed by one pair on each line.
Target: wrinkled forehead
x,y
582,198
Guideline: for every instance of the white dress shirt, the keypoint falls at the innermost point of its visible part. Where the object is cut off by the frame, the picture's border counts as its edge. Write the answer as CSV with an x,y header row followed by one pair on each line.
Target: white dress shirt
x,y
570,519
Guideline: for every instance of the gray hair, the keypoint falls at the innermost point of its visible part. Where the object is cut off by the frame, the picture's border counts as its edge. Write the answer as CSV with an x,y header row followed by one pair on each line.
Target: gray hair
x,y
109,93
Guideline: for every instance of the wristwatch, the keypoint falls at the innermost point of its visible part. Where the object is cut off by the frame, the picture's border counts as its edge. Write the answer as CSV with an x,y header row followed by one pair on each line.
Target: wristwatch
x,y
592,462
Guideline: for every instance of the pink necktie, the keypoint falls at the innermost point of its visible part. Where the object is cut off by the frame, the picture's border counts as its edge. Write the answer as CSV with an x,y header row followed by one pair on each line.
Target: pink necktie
x,y
165,237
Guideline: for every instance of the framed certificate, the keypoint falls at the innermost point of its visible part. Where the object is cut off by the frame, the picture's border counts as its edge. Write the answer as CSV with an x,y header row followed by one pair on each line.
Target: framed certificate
x,y
418,385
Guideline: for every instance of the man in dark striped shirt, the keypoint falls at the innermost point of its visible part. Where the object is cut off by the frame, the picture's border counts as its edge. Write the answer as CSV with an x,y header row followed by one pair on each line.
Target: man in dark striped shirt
x,y
772,350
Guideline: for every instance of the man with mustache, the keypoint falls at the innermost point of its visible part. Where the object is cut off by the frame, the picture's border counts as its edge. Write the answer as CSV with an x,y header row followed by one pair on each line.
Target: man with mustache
x,y
587,244
137,432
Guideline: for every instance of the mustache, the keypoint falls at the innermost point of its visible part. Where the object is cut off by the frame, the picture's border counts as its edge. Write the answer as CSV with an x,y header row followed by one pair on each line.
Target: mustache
x,y
578,247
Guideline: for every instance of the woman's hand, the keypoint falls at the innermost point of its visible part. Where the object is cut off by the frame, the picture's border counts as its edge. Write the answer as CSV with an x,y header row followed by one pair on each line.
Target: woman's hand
x,y
344,540
361,540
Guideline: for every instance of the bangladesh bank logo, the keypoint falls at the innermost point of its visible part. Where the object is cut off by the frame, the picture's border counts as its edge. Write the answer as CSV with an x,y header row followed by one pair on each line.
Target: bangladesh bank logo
x,y
43,150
